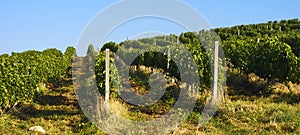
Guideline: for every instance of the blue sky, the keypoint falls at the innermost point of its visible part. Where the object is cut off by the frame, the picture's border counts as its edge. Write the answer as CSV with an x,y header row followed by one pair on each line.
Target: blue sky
x,y
37,25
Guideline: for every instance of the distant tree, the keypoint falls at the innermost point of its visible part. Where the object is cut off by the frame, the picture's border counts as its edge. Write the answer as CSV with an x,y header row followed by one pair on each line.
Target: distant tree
x,y
70,51
91,50
112,46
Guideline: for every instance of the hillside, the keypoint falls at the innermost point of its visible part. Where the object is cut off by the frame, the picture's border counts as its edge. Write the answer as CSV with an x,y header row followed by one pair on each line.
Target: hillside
x,y
260,67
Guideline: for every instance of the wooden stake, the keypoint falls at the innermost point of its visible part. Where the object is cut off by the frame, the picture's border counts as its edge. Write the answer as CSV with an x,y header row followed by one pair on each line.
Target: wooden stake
x,y
169,59
216,68
107,80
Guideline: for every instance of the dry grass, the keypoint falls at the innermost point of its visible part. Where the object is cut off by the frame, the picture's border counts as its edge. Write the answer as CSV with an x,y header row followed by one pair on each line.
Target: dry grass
x,y
277,112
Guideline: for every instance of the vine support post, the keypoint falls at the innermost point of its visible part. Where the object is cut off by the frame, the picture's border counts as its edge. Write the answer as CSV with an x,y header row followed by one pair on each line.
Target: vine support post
x,y
216,68
169,59
107,80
